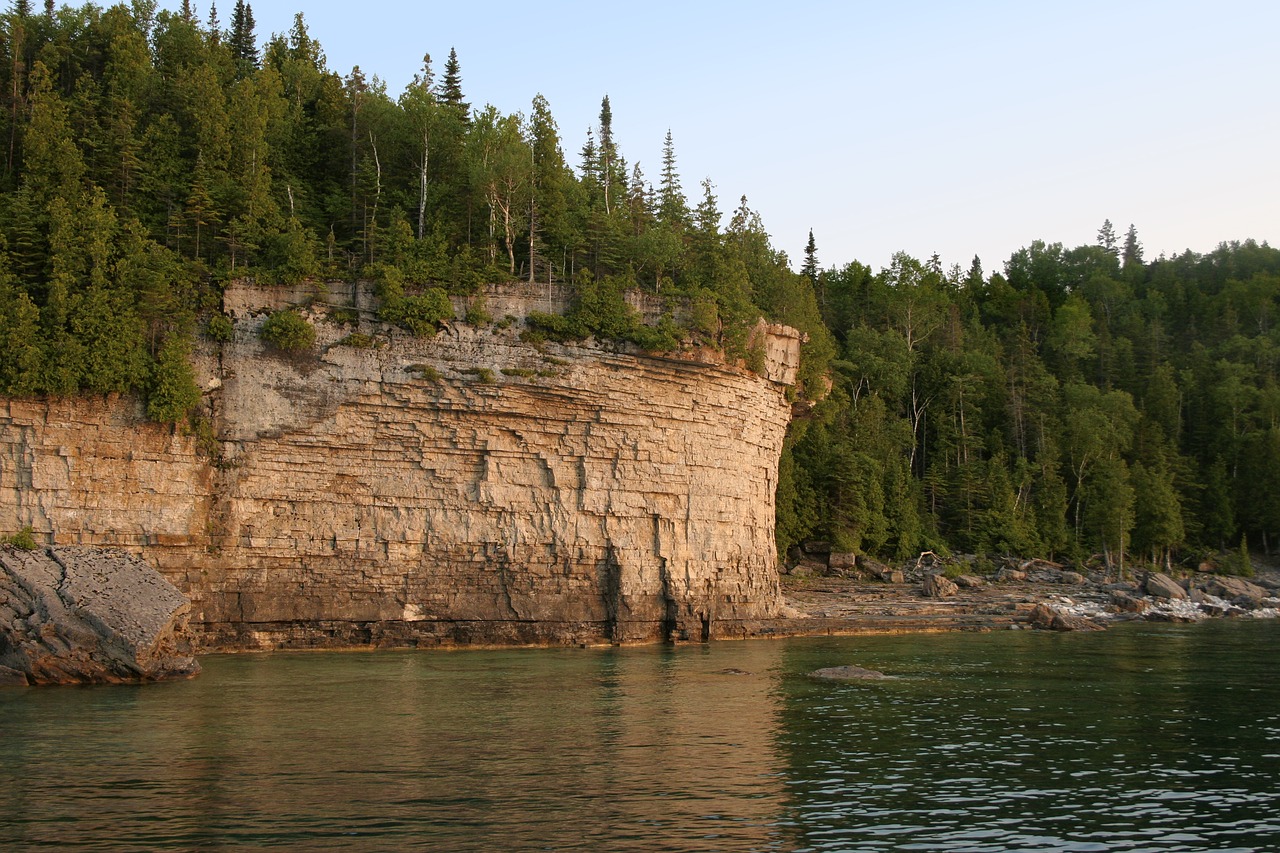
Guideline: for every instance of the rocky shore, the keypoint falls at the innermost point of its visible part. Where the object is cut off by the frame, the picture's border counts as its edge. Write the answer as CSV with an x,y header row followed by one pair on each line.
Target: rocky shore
x,y
853,597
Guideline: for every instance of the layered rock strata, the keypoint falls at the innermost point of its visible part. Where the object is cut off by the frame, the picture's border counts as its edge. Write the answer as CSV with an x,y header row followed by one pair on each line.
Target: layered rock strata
x,y
471,488
85,615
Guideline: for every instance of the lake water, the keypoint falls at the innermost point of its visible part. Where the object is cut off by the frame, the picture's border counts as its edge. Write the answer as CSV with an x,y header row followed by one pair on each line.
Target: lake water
x,y
1143,738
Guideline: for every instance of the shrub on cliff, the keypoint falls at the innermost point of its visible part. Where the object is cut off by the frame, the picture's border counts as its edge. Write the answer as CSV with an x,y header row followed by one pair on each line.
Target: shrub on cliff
x,y
288,331
421,314
24,539
173,392
220,329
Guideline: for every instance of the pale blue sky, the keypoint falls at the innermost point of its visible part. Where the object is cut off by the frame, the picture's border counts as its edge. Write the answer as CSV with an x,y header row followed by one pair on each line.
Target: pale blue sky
x,y
925,127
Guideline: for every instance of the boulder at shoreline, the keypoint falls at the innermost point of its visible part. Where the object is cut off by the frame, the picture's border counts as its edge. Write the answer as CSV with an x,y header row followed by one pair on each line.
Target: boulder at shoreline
x,y
77,615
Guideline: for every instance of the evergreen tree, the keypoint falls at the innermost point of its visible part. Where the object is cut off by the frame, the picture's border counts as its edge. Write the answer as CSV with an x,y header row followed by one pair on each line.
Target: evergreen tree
x,y
673,209
1132,255
451,86
1107,238
242,40
810,268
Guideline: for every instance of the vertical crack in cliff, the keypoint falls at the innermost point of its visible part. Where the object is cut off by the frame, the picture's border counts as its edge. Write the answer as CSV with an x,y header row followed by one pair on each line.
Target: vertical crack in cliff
x,y
609,579
670,608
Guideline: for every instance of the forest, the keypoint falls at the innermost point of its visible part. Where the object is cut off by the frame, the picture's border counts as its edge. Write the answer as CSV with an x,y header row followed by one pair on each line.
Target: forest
x,y
1078,402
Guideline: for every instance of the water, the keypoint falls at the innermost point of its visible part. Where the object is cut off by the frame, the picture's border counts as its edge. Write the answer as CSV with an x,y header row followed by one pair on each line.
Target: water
x,y
1145,738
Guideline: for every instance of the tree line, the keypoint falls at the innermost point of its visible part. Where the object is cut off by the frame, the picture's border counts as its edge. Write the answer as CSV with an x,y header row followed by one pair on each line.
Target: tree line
x,y
1078,401
151,156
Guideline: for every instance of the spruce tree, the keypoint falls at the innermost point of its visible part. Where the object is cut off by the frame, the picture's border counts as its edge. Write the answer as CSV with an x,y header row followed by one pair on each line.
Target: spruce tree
x,y
673,209
810,268
243,42
214,25
451,86
1132,249
1107,237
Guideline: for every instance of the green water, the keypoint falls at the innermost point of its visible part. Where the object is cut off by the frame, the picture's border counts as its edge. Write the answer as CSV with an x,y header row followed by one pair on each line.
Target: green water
x,y
1140,739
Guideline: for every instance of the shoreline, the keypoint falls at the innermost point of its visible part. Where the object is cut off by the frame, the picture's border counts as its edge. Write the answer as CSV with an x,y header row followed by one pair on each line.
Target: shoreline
x,y
1046,598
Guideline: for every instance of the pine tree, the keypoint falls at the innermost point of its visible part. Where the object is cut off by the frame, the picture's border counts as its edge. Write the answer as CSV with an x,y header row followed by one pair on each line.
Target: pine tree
x,y
1132,256
214,25
608,153
243,42
451,86
673,209
810,268
1107,237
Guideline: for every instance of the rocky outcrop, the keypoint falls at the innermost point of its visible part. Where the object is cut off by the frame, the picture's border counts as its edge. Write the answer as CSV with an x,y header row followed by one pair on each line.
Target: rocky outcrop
x,y
938,586
471,488
84,615
1162,586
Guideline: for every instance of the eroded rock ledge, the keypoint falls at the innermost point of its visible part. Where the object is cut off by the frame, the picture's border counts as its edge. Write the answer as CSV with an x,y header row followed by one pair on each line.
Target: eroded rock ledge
x,y
84,615
469,489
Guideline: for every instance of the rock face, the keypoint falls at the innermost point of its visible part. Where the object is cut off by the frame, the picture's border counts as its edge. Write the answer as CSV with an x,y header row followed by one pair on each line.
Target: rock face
x,y
470,488
85,615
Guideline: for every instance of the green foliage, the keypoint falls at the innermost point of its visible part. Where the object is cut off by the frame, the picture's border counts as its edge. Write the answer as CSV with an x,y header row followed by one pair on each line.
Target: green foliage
x,y
478,312
24,539
483,375
427,372
357,340
220,329
421,314
173,392
288,332
343,316
1075,400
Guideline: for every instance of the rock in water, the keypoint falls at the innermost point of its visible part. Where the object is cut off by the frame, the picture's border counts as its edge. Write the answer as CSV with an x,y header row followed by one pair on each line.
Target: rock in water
x,y
1046,617
78,615
847,673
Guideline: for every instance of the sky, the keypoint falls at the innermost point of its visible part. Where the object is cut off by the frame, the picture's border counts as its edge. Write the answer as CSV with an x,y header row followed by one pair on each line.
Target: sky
x,y
960,129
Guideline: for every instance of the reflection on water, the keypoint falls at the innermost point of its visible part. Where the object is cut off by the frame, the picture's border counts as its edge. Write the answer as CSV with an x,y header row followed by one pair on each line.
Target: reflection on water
x,y
1146,738
610,749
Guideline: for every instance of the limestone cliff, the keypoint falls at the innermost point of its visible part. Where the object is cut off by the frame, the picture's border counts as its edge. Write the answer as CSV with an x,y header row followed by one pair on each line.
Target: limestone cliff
x,y
470,488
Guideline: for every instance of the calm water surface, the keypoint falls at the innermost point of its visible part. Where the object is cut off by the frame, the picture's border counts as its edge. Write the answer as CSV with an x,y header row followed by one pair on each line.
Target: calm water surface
x,y
1140,739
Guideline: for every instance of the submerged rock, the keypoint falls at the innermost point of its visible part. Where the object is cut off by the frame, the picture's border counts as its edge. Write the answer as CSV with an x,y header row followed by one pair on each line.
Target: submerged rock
x,y
847,673
78,615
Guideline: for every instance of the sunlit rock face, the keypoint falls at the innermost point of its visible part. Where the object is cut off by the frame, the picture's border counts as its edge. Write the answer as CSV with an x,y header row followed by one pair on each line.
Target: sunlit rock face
x,y
470,488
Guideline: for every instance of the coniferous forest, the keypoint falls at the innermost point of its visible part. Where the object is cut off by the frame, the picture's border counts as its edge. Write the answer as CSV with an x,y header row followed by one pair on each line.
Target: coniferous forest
x,y
1078,401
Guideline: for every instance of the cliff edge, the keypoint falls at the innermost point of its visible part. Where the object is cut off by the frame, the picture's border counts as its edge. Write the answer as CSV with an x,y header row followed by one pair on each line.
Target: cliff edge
x,y
471,488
